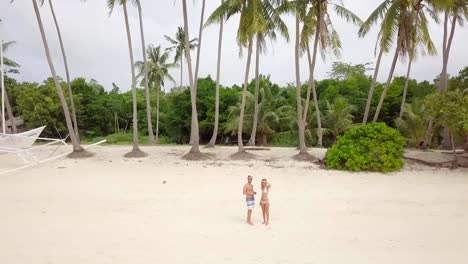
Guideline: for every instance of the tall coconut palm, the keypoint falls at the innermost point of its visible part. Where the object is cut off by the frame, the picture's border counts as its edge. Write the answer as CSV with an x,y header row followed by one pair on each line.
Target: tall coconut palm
x,y
250,22
67,71
145,72
420,39
178,45
76,144
136,152
397,22
271,18
158,71
455,11
317,23
218,75
195,150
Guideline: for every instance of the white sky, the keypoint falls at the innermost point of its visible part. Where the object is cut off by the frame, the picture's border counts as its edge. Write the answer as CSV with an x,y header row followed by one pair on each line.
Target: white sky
x,y
97,48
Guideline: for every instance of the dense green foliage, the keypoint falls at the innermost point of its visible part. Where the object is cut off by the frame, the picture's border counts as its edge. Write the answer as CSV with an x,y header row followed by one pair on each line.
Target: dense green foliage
x,y
102,112
371,147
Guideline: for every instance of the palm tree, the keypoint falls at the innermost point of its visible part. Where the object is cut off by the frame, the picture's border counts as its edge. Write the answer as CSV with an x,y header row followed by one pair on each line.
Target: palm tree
x,y
397,18
194,135
136,152
158,71
67,71
419,39
317,22
145,71
251,22
13,65
413,123
339,117
218,73
271,20
179,48
457,12
76,144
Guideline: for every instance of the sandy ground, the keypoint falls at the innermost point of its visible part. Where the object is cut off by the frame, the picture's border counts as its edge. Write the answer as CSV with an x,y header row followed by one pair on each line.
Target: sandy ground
x,y
109,209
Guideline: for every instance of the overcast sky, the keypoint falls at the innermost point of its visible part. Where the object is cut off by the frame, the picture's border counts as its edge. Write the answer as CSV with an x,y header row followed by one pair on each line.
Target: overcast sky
x,y
97,48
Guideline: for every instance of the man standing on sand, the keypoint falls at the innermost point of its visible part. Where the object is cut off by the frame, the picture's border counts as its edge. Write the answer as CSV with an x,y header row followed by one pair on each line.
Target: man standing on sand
x,y
249,198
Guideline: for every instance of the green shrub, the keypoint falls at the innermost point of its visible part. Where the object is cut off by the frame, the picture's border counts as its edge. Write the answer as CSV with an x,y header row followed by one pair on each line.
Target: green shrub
x,y
372,147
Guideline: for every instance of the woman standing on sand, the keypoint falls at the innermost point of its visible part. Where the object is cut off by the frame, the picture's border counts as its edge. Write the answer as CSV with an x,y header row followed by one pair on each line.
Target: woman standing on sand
x,y
264,202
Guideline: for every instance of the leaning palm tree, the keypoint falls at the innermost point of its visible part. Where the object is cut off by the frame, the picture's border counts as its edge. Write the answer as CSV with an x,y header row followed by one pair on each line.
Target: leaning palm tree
x,y
158,71
317,23
420,41
271,18
67,71
397,21
76,144
136,152
178,45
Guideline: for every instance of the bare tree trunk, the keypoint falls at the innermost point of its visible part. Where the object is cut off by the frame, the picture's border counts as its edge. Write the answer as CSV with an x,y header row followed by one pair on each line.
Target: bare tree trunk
x,y
244,94
147,91
9,111
67,73
387,84
405,90
301,127
76,144
193,91
312,64
218,73
158,90
257,88
136,147
372,87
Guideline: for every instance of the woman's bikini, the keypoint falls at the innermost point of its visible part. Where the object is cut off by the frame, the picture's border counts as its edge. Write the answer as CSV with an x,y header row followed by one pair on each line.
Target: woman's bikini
x,y
264,201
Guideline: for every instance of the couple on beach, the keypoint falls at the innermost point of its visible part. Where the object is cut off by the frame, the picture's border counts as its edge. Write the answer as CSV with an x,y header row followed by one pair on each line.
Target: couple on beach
x,y
249,193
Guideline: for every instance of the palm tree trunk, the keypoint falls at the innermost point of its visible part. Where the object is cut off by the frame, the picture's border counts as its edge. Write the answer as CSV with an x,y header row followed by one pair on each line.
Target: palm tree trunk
x,y
372,87
197,62
9,111
136,147
76,144
147,91
244,94
314,91
443,85
405,90
218,73
387,84
200,35
193,93
158,89
301,127
181,71
257,88
67,72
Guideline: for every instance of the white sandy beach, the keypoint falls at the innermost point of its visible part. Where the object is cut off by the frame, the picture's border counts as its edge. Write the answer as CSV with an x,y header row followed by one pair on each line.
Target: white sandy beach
x,y
110,209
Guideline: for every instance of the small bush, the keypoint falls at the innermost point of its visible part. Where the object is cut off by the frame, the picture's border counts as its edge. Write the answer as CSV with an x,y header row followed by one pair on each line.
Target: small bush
x,y
372,147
